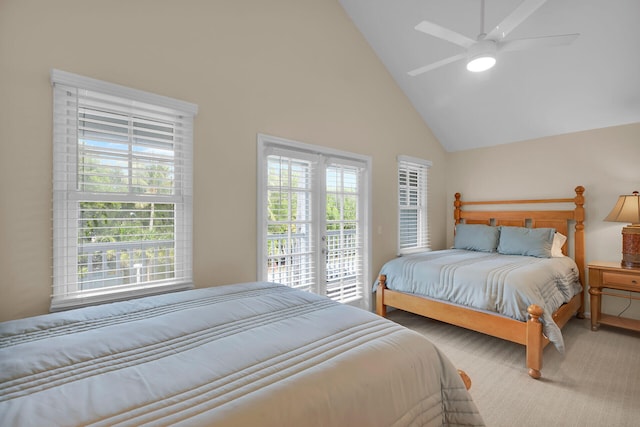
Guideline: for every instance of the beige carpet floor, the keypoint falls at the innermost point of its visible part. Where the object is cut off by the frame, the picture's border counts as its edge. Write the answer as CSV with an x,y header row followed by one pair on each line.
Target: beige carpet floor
x,y
596,383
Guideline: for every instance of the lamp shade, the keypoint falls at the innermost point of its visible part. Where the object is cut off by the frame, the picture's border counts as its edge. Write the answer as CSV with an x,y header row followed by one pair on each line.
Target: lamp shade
x,y
627,209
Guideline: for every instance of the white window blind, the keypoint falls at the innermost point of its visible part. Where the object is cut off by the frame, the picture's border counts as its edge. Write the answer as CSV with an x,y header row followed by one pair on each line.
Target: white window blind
x,y
122,192
413,230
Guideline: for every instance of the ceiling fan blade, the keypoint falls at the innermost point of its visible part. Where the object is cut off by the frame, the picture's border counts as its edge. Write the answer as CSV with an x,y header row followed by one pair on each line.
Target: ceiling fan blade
x,y
435,65
537,42
508,24
444,34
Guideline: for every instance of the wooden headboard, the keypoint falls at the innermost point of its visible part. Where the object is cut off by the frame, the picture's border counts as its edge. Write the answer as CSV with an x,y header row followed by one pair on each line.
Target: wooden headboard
x,y
558,219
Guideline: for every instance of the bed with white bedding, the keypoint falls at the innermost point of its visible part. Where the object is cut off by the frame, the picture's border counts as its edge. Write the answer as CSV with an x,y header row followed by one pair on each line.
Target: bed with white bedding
x,y
237,355
499,279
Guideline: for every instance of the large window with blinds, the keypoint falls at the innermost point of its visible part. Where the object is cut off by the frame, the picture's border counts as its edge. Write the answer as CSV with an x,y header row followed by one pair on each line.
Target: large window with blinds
x,y
413,224
313,212
122,192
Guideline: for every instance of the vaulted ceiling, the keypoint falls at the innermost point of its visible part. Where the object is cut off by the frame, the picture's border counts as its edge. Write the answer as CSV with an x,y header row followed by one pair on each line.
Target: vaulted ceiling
x,y
592,83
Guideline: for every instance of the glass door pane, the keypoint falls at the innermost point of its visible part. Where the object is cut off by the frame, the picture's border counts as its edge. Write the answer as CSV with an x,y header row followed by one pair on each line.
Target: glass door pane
x,y
291,246
342,238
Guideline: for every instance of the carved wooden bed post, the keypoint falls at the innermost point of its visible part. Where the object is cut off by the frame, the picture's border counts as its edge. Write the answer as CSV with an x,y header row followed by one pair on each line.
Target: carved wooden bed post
x,y
579,243
534,342
381,309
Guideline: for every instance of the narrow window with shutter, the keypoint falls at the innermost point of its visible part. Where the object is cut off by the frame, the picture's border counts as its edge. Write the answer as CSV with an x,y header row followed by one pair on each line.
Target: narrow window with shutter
x,y
122,192
413,229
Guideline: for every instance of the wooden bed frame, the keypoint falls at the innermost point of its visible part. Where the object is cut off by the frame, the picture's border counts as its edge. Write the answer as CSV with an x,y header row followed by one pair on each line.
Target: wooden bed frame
x,y
527,333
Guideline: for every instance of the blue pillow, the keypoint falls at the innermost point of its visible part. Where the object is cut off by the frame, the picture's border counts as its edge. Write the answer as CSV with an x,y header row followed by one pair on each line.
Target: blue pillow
x,y
476,237
535,242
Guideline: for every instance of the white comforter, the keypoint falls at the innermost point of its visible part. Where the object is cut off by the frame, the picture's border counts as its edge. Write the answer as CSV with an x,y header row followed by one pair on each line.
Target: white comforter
x,y
252,354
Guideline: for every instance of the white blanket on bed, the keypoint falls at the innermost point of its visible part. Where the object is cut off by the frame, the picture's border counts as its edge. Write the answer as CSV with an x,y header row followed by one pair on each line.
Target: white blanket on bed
x,y
253,354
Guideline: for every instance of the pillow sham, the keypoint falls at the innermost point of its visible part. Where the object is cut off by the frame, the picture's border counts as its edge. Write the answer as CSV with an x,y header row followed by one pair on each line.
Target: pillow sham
x,y
556,246
476,237
536,242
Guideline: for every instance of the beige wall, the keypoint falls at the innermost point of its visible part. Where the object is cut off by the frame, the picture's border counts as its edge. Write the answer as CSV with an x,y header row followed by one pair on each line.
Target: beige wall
x,y
292,68
604,161
296,69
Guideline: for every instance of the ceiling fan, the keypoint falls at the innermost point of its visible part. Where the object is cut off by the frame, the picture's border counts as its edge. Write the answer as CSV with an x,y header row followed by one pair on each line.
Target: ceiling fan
x,y
481,53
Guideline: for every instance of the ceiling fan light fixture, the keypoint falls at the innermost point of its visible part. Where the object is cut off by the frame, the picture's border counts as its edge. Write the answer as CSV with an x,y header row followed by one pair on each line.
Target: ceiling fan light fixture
x,y
482,63
482,56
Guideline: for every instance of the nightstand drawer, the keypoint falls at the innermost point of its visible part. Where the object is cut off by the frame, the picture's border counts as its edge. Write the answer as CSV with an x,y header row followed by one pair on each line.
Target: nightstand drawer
x,y
620,279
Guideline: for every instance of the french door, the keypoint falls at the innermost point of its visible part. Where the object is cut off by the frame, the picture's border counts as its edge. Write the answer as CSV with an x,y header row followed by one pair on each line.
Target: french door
x,y
313,209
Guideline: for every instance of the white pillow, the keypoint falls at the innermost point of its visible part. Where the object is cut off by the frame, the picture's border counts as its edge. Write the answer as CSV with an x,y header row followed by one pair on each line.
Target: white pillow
x,y
556,246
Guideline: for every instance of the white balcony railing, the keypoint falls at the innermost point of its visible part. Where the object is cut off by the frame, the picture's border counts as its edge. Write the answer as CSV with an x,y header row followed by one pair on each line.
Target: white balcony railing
x,y
102,265
291,261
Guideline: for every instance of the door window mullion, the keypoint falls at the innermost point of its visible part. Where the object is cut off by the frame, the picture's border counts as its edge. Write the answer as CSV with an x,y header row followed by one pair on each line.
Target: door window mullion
x,y
320,223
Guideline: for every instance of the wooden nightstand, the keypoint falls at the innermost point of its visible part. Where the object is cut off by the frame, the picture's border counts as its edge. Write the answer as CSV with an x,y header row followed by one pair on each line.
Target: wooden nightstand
x,y
611,275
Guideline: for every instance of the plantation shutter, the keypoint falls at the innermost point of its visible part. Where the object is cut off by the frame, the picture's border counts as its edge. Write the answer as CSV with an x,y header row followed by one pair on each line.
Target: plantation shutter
x,y
122,192
413,230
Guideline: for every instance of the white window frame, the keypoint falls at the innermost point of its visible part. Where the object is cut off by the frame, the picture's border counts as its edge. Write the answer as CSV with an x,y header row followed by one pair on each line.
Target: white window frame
x,y
417,205
68,92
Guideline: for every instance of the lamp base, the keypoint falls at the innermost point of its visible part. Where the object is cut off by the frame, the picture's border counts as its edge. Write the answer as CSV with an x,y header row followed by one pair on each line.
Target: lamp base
x,y
627,264
631,246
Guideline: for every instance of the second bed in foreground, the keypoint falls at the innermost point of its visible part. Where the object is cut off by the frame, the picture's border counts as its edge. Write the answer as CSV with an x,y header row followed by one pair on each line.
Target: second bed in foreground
x,y
238,355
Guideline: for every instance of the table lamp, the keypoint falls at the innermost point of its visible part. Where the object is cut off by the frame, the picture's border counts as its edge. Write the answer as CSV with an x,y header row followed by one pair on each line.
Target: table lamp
x,y
627,209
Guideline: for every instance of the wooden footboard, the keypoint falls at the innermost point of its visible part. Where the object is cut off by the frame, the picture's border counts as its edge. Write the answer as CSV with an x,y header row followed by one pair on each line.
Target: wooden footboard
x,y
465,379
